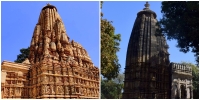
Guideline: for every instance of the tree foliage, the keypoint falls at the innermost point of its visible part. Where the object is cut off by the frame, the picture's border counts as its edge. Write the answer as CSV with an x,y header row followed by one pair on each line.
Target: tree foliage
x,y
195,79
109,47
24,54
112,89
180,21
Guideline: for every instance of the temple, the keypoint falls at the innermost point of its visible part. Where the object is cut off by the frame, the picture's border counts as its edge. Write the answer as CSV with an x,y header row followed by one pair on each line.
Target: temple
x,y
56,67
148,72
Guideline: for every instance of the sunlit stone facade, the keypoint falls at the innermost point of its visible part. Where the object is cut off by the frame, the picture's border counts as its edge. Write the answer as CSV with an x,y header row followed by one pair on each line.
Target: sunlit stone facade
x,y
56,67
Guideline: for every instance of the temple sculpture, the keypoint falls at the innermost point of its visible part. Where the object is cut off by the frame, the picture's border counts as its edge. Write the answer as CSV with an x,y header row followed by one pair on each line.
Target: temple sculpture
x,y
148,73
56,68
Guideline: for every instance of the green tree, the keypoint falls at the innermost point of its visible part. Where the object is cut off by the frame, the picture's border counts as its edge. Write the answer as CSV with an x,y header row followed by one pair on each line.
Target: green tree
x,y
112,89
119,80
180,21
195,79
109,47
24,54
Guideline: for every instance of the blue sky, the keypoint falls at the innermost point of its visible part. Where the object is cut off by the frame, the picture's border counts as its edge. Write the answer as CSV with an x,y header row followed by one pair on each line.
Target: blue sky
x,y
123,15
81,20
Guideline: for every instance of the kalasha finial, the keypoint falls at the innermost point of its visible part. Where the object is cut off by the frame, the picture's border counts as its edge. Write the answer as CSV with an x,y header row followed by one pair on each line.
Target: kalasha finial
x,y
147,4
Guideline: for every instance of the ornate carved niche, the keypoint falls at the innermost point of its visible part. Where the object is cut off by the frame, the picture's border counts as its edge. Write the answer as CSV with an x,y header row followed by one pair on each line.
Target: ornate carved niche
x,y
71,80
51,78
12,93
59,90
84,91
52,91
58,79
47,89
43,89
72,89
66,89
6,91
66,80
17,91
45,79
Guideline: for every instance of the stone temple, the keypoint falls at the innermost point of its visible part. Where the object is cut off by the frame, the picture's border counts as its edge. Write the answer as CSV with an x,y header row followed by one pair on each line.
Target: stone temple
x,y
148,71
56,68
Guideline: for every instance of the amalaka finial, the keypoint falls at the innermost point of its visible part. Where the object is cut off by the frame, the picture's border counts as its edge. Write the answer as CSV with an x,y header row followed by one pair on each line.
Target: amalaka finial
x,y
48,4
147,4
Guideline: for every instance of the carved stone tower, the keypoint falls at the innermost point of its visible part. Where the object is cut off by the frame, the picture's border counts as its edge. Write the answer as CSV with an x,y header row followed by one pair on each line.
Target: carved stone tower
x,y
56,67
147,59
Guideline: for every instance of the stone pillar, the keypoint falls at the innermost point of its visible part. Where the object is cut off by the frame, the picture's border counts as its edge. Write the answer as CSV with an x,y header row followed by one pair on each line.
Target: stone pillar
x,y
3,76
191,90
179,88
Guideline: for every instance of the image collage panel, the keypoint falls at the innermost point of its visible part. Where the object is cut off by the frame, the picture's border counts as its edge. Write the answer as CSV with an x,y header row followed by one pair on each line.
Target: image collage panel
x,y
100,50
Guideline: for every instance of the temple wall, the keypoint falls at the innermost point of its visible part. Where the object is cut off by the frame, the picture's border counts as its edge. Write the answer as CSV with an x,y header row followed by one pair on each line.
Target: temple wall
x,y
14,80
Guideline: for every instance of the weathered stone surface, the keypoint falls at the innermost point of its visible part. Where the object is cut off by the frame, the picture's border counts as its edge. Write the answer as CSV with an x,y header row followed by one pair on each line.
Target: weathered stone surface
x,y
147,60
181,78
148,72
56,67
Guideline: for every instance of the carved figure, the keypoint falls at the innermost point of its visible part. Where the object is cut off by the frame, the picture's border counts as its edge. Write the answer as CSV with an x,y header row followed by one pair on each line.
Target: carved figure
x,y
52,89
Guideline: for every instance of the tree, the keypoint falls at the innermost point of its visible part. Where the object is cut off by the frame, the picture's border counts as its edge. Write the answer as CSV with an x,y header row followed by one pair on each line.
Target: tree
x,y
195,79
108,89
180,21
112,89
24,54
119,80
109,47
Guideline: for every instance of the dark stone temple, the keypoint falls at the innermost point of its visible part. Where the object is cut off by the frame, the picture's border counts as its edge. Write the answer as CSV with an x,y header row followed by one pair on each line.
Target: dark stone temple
x,y
148,72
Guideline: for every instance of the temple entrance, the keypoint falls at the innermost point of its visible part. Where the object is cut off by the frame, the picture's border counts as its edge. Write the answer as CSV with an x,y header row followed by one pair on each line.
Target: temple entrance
x,y
183,92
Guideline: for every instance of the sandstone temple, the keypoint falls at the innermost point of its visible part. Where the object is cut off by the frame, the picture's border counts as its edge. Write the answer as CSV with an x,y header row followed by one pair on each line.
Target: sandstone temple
x,y
56,67
148,71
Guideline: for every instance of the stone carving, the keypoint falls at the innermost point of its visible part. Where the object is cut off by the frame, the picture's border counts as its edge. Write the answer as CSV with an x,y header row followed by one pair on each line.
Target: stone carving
x,y
47,89
11,92
54,65
51,79
58,80
59,90
6,92
52,89
45,79
26,61
66,90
